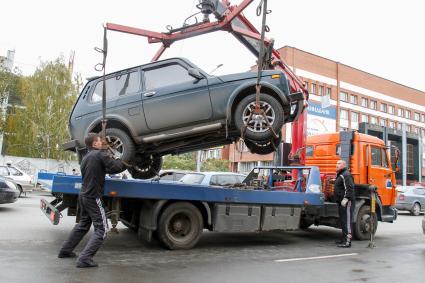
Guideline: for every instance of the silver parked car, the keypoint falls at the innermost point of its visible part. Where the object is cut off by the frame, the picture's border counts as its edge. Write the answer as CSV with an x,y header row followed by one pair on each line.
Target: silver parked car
x,y
216,179
23,181
411,198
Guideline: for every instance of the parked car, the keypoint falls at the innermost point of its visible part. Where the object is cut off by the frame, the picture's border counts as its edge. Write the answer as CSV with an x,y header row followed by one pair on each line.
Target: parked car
x,y
9,192
172,106
220,179
423,224
411,198
170,176
23,181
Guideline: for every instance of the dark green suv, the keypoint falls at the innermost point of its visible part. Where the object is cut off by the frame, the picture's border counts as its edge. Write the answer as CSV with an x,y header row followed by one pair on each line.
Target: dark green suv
x,y
172,107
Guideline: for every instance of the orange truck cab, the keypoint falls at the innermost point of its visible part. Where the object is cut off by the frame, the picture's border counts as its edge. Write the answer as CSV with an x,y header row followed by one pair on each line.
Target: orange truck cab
x,y
369,161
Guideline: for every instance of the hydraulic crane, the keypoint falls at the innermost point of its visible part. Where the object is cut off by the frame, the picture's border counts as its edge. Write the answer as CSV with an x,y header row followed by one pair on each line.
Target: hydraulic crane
x,y
230,18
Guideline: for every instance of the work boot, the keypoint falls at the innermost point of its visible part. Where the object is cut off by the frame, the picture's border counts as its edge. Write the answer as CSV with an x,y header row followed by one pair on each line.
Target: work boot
x,y
66,254
86,264
345,244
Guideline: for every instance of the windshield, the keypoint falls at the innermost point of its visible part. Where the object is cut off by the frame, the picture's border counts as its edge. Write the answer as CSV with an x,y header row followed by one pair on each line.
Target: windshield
x,y
192,178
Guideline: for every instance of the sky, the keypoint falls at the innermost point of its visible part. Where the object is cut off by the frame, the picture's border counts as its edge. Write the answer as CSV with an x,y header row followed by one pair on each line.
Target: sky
x,y
382,37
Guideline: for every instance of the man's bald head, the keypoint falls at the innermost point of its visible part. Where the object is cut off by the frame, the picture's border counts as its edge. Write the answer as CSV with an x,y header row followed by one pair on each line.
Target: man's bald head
x,y
341,164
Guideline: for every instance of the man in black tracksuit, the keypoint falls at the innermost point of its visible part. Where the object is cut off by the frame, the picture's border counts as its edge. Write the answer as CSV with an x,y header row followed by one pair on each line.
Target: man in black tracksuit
x,y
344,196
94,166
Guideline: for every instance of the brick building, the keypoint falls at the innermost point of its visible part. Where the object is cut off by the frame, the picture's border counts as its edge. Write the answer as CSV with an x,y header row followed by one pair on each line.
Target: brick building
x,y
343,97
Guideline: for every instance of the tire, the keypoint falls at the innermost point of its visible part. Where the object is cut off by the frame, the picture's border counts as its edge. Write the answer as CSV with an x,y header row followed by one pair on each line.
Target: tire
x,y
362,225
180,226
121,144
263,147
257,129
149,166
20,190
416,209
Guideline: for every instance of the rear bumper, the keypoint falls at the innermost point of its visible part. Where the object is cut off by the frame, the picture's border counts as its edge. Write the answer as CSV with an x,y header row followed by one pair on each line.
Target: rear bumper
x,y
8,196
71,145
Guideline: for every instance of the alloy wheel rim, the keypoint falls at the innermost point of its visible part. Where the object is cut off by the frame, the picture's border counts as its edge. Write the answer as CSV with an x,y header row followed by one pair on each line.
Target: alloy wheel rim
x,y
256,122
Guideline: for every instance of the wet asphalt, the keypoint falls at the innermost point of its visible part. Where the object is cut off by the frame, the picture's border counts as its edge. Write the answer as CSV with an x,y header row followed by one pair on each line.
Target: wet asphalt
x,y
29,244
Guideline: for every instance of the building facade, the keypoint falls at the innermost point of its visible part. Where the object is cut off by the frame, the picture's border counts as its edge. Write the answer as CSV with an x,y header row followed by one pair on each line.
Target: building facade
x,y
343,97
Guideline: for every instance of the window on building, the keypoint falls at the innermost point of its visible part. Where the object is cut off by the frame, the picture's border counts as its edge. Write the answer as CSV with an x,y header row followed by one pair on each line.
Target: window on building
x,y
423,118
306,85
398,126
391,109
400,112
329,91
343,96
313,88
373,104
383,107
373,120
417,130
417,116
408,128
321,90
407,114
365,118
391,124
410,159
353,99
343,114
354,117
365,102
382,122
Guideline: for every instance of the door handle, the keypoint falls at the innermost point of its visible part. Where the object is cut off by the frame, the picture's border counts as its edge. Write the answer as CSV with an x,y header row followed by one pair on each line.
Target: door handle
x,y
149,94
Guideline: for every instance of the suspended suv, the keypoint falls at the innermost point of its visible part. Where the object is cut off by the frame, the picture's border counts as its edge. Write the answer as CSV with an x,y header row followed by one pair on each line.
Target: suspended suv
x,y
172,107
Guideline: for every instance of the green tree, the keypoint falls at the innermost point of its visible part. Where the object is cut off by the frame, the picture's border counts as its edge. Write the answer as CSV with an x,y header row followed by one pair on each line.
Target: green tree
x,y
39,126
8,86
182,162
212,164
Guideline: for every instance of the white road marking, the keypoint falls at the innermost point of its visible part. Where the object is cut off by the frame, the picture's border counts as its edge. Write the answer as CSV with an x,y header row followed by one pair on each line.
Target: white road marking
x,y
315,257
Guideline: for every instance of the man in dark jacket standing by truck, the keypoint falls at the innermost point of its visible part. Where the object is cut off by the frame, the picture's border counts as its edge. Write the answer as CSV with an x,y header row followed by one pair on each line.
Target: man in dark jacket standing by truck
x,y
94,166
344,196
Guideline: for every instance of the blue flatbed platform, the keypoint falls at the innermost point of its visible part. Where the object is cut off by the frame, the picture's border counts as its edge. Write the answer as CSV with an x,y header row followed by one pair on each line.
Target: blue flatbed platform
x,y
146,189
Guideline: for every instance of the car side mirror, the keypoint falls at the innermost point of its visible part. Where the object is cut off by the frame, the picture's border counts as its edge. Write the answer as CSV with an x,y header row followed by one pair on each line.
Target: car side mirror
x,y
193,72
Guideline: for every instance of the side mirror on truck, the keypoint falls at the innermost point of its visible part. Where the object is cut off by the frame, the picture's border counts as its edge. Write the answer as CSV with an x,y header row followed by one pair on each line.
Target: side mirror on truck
x,y
396,167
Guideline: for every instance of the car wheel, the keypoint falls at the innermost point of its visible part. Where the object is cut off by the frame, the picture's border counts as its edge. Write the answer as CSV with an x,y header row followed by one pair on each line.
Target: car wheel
x,y
363,223
148,166
416,209
263,147
180,226
20,190
121,144
255,127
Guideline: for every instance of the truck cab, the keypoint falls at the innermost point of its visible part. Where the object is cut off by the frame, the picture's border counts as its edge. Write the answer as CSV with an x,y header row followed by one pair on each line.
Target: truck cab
x,y
369,161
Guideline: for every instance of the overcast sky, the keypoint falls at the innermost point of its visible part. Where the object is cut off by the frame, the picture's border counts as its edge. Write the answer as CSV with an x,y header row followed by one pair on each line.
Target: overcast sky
x,y
382,37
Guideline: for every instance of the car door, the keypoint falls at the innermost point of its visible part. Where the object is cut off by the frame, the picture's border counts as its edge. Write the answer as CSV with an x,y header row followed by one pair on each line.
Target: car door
x,y
420,193
123,99
380,172
172,98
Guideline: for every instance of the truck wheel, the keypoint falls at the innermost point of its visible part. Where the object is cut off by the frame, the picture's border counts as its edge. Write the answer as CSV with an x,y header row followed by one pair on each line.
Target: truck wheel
x,y
263,147
362,225
255,127
121,144
180,226
416,209
148,166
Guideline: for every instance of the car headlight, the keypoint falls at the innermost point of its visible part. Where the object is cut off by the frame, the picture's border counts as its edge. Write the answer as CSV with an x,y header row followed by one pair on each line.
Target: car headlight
x,y
11,185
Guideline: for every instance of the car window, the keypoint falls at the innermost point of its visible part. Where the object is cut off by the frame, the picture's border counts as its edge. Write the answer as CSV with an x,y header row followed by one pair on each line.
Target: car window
x,y
14,172
223,180
4,171
240,178
385,162
192,178
168,177
116,86
179,176
166,76
309,151
419,191
376,156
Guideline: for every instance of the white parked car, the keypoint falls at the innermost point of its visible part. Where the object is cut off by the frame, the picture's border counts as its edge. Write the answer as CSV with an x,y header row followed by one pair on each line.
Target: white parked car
x,y
220,179
23,181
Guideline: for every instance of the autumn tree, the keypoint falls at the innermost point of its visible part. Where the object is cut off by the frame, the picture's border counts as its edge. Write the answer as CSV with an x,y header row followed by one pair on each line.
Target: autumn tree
x,y
39,126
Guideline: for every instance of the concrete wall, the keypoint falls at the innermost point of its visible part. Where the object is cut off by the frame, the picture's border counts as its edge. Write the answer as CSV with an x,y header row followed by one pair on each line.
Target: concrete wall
x,y
33,165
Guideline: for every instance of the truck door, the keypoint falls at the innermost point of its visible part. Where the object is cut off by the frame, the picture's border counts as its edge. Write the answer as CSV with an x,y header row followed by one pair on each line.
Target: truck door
x,y
172,98
380,173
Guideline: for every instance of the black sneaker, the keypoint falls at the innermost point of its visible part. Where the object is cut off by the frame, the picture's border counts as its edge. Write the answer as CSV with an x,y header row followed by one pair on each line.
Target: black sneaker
x,y
339,242
347,244
86,264
66,254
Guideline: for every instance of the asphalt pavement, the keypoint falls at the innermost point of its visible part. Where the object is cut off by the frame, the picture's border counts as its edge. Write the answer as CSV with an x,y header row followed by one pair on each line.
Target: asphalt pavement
x,y
29,244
